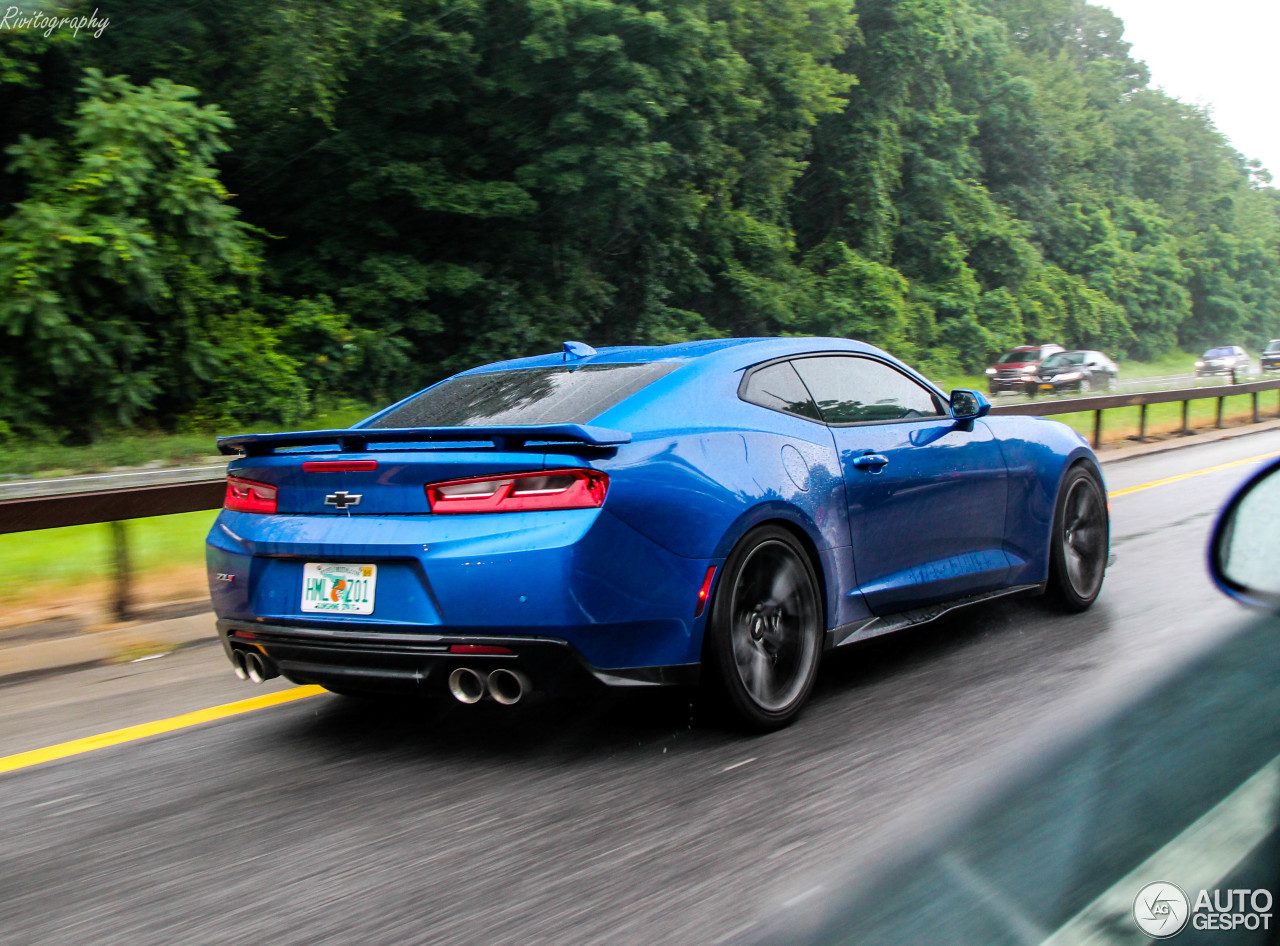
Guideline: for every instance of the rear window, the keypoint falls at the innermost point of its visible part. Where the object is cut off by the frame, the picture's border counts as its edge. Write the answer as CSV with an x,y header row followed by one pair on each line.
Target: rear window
x,y
1219,352
556,395
1063,359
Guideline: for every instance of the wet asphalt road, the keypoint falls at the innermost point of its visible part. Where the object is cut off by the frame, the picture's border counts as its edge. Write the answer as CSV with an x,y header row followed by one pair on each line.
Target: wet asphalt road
x,y
614,821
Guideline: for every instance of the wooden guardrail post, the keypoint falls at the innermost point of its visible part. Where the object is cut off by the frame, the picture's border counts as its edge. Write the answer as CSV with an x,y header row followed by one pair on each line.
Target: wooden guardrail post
x,y
1142,423
1097,430
122,572
1186,416
1218,421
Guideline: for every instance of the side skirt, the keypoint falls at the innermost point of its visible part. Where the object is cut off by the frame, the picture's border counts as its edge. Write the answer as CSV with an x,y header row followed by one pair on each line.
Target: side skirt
x,y
886,624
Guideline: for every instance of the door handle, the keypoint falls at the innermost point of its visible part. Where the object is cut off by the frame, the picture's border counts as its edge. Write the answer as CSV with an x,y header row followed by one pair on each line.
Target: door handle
x,y
874,462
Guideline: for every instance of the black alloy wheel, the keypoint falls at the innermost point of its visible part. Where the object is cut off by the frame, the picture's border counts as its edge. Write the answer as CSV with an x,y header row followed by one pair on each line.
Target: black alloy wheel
x,y
764,634
1081,540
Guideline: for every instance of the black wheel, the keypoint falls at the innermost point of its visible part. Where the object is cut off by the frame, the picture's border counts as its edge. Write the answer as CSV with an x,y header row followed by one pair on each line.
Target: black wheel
x,y
1085,385
1081,541
764,635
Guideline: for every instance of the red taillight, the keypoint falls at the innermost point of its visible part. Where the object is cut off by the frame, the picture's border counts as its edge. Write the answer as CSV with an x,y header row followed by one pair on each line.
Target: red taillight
x,y
521,492
339,466
704,592
249,496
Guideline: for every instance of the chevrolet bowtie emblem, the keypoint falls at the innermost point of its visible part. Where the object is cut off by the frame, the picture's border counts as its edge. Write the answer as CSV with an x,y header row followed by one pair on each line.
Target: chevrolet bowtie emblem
x,y
342,499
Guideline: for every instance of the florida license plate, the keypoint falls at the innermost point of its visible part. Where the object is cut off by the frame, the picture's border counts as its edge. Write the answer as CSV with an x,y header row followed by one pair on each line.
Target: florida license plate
x,y
338,589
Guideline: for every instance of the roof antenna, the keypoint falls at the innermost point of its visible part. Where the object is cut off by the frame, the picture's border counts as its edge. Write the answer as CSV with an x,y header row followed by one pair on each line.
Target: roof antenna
x,y
574,351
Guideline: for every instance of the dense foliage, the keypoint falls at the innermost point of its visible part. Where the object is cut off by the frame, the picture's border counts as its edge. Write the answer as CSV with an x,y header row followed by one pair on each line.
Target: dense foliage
x,y
223,211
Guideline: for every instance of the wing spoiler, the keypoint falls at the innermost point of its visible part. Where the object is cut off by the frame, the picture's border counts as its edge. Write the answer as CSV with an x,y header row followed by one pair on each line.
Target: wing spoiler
x,y
357,440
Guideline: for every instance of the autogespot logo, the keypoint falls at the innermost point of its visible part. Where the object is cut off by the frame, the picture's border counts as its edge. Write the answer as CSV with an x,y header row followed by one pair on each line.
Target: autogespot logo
x,y
1161,910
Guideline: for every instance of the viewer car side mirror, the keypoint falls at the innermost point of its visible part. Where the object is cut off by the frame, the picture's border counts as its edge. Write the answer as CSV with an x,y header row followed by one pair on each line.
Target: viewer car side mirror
x,y
968,405
1244,552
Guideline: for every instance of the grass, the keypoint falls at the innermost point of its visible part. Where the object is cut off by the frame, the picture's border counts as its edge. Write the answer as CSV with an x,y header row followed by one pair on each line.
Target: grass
x,y
82,555
1121,423
29,458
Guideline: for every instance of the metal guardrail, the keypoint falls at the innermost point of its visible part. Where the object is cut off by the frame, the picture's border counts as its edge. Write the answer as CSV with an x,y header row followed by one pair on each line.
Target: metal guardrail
x,y
78,500
1080,405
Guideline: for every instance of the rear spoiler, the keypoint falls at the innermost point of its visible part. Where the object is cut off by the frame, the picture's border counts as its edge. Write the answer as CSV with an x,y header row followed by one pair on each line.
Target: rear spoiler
x,y
357,439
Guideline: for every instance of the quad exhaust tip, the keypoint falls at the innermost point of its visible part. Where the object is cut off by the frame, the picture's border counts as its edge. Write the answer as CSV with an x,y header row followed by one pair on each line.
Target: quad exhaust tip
x,y
466,685
251,665
506,687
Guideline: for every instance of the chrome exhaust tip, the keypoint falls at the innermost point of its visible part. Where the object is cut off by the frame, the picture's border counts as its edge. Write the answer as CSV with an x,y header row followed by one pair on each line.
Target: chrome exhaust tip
x,y
237,664
508,686
466,685
259,668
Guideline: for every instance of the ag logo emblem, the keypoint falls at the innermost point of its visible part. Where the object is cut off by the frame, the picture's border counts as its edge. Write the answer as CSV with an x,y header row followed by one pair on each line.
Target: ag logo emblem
x,y
1161,910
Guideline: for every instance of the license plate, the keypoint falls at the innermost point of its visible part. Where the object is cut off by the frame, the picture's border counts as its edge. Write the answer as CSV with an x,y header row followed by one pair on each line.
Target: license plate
x,y
338,589
1046,387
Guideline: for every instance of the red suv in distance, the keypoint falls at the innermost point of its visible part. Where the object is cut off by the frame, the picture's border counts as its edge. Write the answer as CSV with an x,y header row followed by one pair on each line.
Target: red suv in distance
x,y
1017,367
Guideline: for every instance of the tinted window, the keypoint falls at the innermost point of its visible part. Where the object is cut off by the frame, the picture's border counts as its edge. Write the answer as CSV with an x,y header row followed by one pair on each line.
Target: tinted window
x,y
558,395
1018,357
1065,359
1273,345
1219,352
852,390
779,388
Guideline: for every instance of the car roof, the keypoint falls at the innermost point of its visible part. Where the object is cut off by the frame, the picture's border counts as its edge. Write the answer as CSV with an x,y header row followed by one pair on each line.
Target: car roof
x,y
745,351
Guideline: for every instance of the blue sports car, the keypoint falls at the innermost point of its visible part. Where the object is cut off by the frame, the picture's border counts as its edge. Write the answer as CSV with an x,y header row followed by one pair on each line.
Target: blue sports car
x,y
718,513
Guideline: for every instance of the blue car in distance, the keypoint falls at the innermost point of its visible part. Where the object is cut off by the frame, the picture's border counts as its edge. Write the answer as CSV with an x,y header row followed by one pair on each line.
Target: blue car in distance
x,y
718,513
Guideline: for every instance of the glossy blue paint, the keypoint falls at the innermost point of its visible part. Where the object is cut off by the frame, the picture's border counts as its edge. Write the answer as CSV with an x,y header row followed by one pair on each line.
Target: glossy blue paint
x,y
957,507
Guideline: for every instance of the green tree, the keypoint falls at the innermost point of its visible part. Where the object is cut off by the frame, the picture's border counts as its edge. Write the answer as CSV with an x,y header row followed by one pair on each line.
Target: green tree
x,y
119,264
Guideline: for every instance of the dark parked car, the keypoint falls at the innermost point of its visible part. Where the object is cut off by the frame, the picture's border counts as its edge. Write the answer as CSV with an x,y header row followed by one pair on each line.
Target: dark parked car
x,y
1229,360
1271,356
1017,367
1074,371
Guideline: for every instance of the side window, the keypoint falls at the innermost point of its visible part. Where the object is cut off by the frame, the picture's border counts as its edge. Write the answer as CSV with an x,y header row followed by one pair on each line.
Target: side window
x,y
778,388
853,390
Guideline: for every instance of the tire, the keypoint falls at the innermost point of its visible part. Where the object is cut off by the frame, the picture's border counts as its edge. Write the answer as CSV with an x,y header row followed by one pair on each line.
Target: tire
x,y
1111,383
1085,385
764,633
1080,542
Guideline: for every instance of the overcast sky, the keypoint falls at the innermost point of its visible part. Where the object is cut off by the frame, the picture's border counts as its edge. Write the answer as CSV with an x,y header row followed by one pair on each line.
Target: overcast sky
x,y
1223,54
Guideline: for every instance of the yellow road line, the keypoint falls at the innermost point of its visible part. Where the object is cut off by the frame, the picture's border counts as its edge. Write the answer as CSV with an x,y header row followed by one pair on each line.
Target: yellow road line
x,y
131,733
1186,476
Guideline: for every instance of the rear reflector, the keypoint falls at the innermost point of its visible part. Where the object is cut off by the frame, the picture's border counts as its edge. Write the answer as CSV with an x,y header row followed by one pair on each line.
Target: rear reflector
x,y
520,492
704,592
249,496
478,649
339,466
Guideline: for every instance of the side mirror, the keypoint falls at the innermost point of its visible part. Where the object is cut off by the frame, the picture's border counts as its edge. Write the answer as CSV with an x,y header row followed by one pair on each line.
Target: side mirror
x,y
1244,552
968,405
